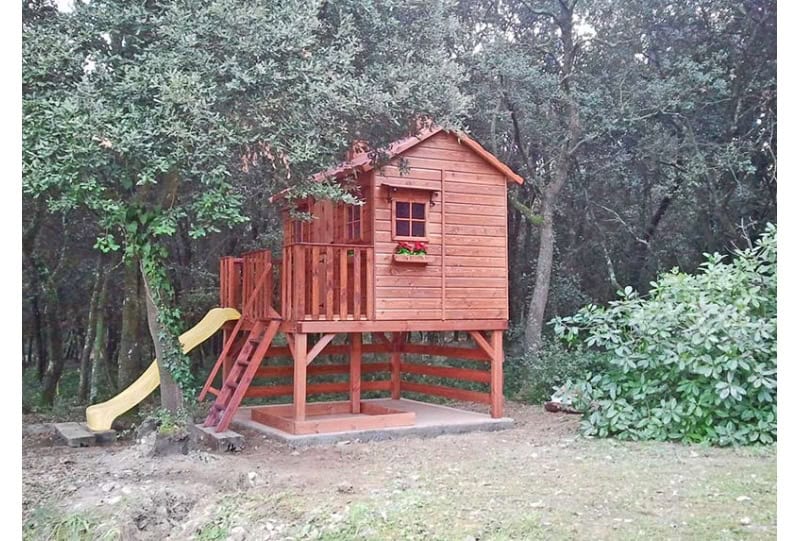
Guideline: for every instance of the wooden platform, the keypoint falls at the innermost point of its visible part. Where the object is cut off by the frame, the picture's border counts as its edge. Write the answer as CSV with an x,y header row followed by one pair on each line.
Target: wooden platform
x,y
325,417
430,420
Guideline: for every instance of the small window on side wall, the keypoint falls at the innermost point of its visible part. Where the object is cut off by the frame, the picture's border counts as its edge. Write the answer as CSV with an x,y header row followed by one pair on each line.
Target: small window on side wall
x,y
409,219
352,228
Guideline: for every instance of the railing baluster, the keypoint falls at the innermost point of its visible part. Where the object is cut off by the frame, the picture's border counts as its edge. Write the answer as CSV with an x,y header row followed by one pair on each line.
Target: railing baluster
x,y
329,264
342,283
315,273
299,282
369,283
356,283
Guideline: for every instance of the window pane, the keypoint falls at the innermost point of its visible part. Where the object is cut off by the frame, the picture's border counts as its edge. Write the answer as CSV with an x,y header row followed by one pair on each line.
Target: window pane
x,y
417,229
401,228
401,210
356,231
418,211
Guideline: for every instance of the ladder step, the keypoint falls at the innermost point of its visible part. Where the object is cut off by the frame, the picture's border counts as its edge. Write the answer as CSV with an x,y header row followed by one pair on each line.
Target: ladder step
x,y
231,385
212,390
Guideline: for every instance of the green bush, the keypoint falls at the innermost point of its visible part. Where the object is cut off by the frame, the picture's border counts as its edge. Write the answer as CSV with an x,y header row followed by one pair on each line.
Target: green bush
x,y
696,361
533,378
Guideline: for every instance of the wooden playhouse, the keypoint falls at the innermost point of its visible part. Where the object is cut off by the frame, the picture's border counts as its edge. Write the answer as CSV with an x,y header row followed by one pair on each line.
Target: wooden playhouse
x,y
427,251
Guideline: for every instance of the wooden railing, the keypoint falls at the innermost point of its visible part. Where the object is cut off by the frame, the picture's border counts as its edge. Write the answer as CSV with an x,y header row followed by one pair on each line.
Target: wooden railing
x,y
238,278
327,282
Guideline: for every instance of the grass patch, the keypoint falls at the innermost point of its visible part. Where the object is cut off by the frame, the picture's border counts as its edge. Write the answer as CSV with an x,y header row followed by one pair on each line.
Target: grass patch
x,y
49,524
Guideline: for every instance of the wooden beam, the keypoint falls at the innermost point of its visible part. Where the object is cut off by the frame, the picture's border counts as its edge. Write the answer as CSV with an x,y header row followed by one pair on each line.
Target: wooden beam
x,y
393,325
290,342
461,374
299,383
482,343
446,392
343,387
444,247
355,373
319,346
496,386
453,352
321,369
398,339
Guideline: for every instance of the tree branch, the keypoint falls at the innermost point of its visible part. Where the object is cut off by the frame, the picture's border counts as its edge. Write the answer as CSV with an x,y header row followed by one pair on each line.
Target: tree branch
x,y
525,210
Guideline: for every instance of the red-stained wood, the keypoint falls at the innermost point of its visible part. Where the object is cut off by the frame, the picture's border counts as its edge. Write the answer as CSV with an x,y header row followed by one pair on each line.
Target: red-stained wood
x,y
226,350
299,281
496,387
356,283
299,376
445,261
355,372
370,285
453,352
315,281
464,374
395,325
342,284
398,342
273,391
480,340
321,369
330,417
445,392
319,346
243,383
329,267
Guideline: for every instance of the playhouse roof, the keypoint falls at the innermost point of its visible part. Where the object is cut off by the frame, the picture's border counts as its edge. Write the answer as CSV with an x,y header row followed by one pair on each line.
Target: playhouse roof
x,y
362,163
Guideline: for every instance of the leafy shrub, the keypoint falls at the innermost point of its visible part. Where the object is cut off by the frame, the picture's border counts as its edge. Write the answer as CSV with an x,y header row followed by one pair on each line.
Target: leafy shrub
x,y
533,378
696,361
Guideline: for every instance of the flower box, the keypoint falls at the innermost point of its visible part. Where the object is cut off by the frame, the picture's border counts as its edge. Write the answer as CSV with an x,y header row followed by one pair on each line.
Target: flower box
x,y
419,259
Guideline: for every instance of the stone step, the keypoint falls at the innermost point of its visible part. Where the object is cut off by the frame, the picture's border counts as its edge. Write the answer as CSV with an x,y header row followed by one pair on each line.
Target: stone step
x,y
79,435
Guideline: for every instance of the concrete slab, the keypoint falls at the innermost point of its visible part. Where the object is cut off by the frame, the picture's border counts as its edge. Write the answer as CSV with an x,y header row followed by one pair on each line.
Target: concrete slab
x,y
220,441
79,435
431,420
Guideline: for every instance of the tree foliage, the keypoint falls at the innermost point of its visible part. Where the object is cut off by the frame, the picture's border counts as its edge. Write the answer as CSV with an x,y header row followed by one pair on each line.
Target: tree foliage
x,y
695,361
146,114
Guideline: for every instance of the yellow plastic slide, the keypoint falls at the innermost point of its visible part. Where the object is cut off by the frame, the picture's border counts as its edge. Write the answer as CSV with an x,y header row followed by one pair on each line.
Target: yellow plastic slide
x,y
100,416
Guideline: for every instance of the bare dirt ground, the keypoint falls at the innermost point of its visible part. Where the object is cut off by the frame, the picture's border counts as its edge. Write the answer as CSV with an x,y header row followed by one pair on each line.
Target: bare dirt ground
x,y
539,480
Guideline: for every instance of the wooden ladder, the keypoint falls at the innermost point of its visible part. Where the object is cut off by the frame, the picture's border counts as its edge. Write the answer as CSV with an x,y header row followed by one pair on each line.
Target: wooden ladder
x,y
241,374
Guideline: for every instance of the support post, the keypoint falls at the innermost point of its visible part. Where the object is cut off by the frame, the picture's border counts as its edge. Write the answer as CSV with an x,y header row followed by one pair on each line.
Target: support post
x,y
227,362
496,389
355,372
299,392
397,342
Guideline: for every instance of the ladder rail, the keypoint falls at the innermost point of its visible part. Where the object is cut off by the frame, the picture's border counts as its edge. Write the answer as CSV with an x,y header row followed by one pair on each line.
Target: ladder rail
x,y
225,391
236,329
247,376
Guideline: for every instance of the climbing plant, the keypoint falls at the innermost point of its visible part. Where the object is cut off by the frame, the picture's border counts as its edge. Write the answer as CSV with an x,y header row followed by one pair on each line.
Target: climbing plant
x,y
148,114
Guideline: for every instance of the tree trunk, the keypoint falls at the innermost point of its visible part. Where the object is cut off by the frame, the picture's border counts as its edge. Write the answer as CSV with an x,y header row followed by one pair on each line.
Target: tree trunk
x,y
55,345
88,342
572,141
98,356
130,347
171,395
541,289
38,333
